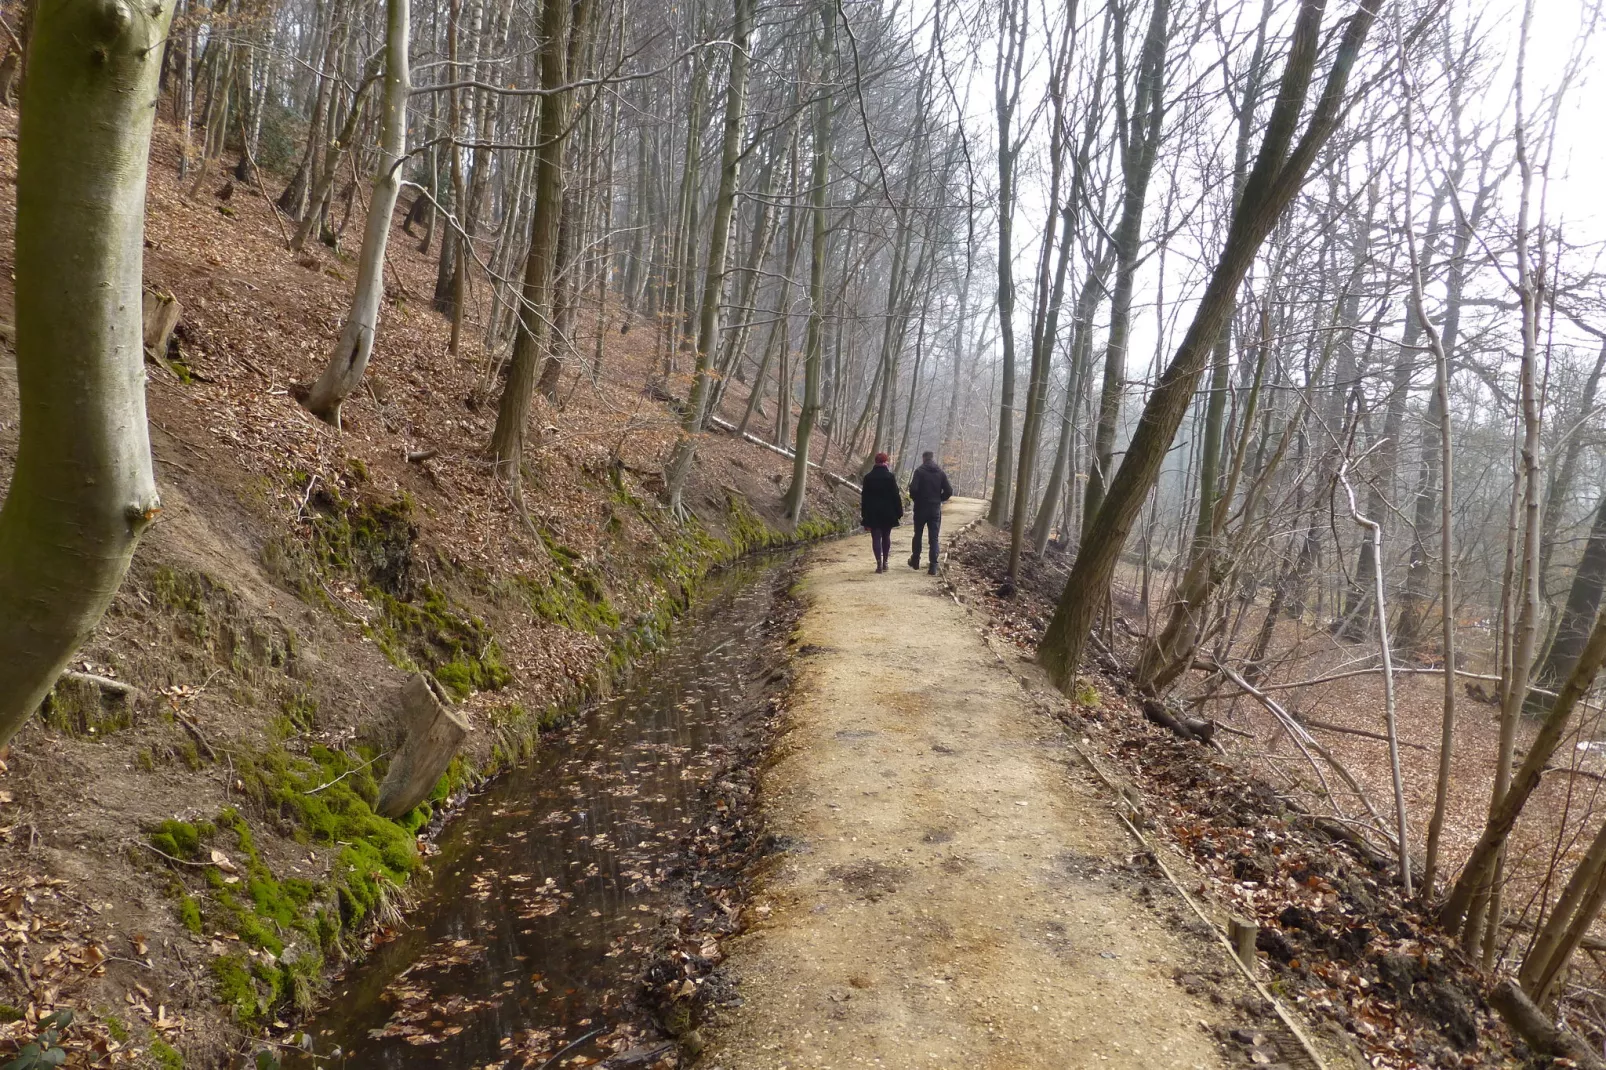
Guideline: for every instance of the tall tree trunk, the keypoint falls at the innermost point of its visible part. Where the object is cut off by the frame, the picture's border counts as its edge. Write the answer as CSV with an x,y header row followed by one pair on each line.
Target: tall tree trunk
x,y
1578,615
331,167
82,489
1559,485
532,336
775,345
1525,635
350,358
1011,50
1570,920
1087,302
1482,863
1142,126
813,344
1277,176
680,463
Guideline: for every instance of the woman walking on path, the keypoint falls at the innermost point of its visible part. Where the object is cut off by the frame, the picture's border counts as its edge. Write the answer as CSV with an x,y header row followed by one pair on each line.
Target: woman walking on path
x,y
880,508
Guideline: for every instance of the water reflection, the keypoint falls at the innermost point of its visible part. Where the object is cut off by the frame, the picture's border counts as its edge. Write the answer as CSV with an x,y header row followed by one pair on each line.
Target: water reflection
x,y
551,885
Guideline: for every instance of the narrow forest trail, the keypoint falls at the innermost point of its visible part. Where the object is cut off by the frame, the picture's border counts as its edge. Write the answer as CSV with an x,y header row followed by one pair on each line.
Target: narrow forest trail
x,y
946,898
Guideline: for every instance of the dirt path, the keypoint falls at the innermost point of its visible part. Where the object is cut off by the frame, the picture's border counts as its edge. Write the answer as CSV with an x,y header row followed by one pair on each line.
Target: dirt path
x,y
954,893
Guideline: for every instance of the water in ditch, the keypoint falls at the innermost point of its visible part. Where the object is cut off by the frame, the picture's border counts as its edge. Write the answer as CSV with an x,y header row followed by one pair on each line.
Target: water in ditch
x,y
552,886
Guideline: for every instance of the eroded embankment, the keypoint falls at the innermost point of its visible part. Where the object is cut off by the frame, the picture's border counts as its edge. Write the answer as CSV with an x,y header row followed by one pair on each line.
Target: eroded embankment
x,y
616,847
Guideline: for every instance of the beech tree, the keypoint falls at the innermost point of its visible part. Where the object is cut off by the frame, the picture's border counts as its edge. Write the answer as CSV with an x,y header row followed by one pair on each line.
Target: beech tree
x,y
82,490
349,361
1278,173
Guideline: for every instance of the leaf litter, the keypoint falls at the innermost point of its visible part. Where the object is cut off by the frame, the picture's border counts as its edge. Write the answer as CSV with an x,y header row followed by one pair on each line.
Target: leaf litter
x,y
1341,942
579,904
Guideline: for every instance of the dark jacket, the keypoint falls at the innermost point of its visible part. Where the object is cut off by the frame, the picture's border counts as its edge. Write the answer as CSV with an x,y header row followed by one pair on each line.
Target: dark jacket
x,y
880,504
929,488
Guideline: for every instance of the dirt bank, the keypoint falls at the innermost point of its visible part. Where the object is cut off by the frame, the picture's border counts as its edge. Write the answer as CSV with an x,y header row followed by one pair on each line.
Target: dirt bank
x,y
297,577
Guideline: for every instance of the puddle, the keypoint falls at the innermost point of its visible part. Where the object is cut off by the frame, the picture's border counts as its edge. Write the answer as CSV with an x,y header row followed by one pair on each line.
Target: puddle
x,y
552,887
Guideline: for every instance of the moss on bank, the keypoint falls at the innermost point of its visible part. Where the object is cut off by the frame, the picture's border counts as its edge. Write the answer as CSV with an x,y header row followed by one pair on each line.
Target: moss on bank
x,y
281,928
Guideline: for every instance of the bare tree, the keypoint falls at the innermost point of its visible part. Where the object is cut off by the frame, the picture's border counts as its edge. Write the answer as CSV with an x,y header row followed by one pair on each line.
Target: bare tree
x,y
82,489
1278,173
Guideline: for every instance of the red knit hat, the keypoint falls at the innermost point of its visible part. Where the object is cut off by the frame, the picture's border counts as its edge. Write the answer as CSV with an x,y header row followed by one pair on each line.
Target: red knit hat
x,y
882,458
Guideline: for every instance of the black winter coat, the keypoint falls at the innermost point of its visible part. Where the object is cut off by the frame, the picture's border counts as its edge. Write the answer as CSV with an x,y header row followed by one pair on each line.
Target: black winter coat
x,y
929,488
880,504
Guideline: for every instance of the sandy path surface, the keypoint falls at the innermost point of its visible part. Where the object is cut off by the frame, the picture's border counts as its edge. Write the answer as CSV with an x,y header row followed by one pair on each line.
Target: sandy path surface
x,y
952,894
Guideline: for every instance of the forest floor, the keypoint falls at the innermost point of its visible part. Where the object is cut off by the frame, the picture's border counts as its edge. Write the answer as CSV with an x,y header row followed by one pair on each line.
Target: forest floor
x,y
183,856
1338,942
954,888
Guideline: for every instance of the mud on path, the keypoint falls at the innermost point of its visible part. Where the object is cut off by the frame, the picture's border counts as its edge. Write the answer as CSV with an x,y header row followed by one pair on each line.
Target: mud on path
x,y
954,892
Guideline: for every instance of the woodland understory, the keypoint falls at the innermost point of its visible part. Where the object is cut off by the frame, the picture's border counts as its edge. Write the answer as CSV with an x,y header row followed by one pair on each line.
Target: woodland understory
x,y
367,341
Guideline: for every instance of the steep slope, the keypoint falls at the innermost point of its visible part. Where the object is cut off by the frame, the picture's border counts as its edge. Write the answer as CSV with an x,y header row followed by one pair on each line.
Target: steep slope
x,y
186,841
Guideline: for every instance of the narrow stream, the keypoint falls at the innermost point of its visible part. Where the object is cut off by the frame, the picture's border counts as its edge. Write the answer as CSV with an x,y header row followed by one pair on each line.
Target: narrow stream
x,y
550,887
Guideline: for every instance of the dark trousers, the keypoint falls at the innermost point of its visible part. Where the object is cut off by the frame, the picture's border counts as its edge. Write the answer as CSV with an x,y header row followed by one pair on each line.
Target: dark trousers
x,y
881,543
924,523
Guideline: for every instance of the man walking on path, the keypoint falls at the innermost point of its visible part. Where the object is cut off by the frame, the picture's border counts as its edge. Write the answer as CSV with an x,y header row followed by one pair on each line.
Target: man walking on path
x,y
928,489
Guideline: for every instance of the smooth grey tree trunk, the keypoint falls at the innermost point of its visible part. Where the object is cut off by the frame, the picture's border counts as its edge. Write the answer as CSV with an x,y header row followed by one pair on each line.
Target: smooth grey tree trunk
x,y
797,493
350,358
83,489
730,159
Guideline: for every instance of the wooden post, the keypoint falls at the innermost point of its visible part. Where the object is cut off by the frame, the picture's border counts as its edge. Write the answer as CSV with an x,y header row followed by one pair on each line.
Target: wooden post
x,y
1243,935
431,736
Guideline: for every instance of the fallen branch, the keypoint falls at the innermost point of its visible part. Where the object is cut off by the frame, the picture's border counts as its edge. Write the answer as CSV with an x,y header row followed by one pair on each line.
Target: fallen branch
x,y
1588,943
170,858
105,683
725,425
1374,670
342,776
1534,1026
1585,773
1307,742
1363,733
195,733
1188,728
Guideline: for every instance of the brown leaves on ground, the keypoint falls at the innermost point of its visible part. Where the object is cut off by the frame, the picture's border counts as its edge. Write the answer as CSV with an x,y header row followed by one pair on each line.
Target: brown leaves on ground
x,y
1341,942
244,469
49,949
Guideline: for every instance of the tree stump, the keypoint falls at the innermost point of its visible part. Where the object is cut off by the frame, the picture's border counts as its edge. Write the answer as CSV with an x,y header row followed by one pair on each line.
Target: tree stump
x,y
1242,934
158,320
431,735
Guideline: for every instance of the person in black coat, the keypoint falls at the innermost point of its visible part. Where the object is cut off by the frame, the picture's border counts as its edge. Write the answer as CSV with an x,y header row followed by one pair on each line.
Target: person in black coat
x,y
880,508
928,489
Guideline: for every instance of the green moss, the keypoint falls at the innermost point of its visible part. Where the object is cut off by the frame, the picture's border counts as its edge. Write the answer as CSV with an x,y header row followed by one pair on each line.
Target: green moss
x,y
371,542
116,1028
210,621
430,633
189,912
373,851
181,839
83,709
238,989
180,591
167,1057
8,1013
327,797
301,710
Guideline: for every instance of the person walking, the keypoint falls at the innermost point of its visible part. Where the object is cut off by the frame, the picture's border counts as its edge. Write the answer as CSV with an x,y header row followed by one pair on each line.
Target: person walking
x,y
880,508
928,489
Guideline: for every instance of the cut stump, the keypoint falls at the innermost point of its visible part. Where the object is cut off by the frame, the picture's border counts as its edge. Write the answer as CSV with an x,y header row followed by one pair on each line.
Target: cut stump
x,y
431,736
